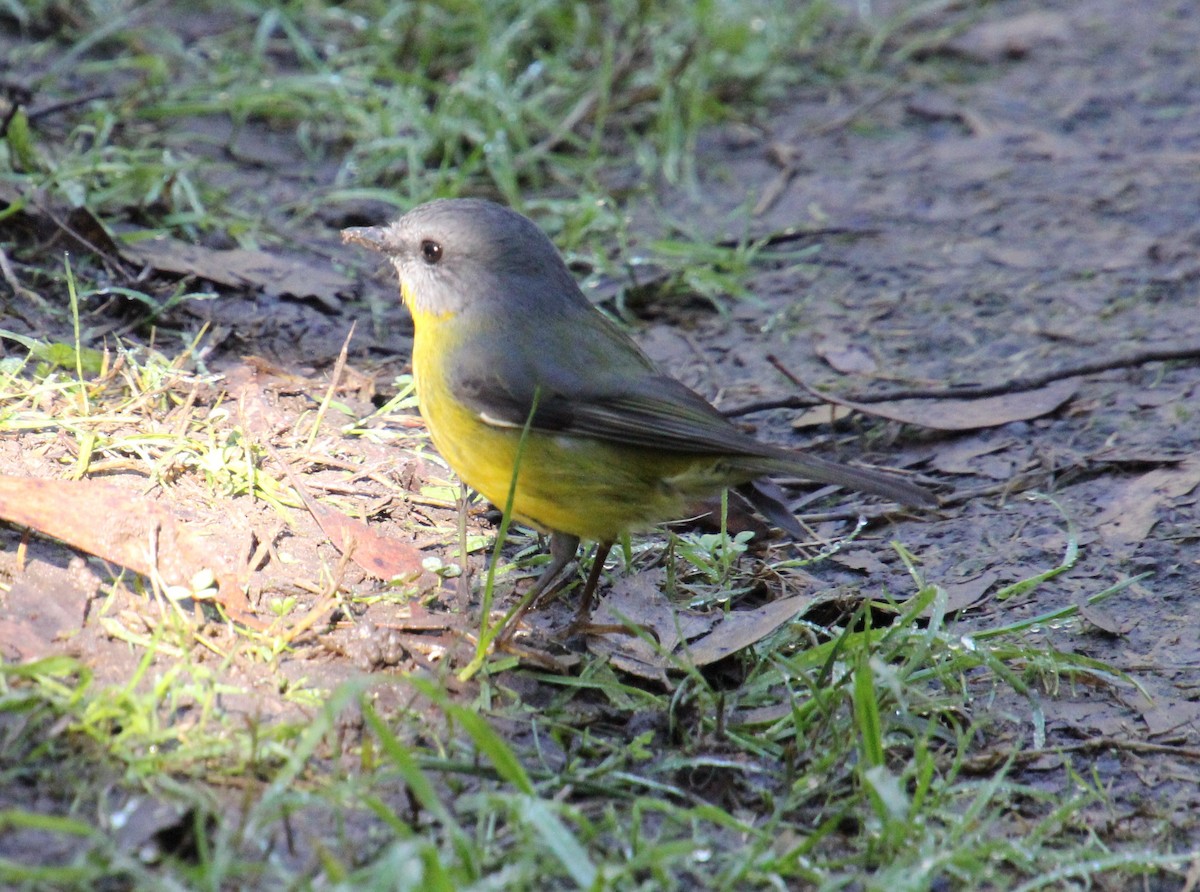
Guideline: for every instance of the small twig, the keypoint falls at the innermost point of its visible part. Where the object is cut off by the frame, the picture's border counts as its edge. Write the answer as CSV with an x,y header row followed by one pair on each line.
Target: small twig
x,y
789,160
1087,746
8,118
327,601
336,376
793,378
797,234
583,108
774,190
1013,385
113,261
867,512
18,97
14,283
54,108
849,117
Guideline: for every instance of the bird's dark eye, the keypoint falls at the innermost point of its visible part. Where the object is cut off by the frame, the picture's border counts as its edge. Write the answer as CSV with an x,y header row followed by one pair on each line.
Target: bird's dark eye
x,y
431,251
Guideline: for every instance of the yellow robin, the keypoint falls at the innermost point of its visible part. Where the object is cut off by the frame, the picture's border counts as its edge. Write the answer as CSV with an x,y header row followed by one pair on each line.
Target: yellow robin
x,y
505,339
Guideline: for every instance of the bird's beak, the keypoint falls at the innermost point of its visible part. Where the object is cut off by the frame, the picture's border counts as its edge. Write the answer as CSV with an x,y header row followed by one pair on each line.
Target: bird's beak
x,y
373,237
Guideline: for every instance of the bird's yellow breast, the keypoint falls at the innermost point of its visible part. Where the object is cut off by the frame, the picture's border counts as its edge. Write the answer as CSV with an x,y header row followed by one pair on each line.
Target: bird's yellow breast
x,y
593,489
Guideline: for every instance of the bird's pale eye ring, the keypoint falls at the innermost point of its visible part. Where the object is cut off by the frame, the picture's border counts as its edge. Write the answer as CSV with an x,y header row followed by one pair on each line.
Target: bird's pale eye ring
x,y
431,251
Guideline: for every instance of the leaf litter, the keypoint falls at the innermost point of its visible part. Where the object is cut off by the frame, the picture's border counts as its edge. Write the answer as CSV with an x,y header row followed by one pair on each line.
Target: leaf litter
x,y
661,636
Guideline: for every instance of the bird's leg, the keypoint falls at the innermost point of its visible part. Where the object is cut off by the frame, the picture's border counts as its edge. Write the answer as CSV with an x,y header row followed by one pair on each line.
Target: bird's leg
x,y
582,623
589,590
562,552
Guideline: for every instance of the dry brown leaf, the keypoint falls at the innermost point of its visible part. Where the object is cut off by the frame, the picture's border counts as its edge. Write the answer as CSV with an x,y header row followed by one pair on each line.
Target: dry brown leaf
x,y
819,416
862,559
78,226
845,355
258,415
241,268
1103,620
1134,509
44,605
968,414
1168,715
127,529
741,628
1089,718
639,601
382,557
959,457
1013,38
681,636
961,595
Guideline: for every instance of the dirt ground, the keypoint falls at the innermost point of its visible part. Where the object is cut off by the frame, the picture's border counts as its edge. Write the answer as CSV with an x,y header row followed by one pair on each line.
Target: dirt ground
x,y
1037,213
1042,216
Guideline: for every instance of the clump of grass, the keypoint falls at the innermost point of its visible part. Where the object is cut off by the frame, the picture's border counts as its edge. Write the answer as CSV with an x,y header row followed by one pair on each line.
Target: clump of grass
x,y
412,102
529,103
844,764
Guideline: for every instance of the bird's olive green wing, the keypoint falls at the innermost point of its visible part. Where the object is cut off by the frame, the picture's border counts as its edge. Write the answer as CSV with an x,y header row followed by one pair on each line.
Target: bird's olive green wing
x,y
662,414
589,379
659,413
605,389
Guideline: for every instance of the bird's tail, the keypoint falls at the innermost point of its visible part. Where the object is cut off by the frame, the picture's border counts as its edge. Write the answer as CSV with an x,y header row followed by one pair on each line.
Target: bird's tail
x,y
819,470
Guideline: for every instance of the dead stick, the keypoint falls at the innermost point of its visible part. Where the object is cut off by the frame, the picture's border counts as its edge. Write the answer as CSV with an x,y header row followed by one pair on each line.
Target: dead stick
x,y
1093,744
1014,385
55,107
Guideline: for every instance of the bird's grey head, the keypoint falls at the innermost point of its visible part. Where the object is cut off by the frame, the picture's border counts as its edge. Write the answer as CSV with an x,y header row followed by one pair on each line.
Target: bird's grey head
x,y
453,254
